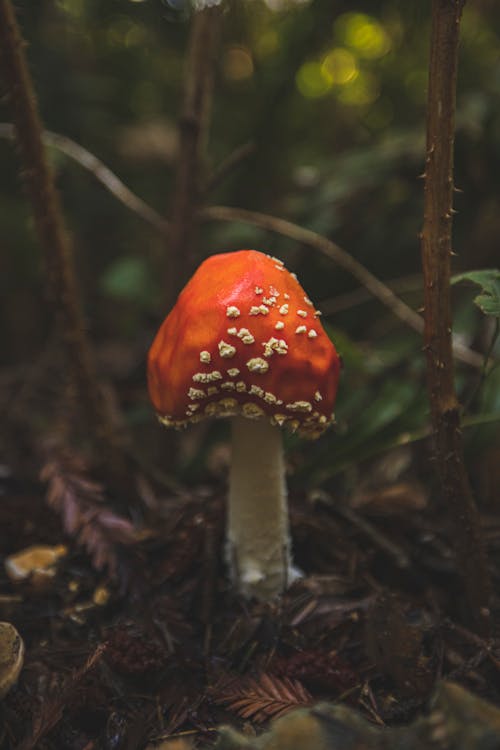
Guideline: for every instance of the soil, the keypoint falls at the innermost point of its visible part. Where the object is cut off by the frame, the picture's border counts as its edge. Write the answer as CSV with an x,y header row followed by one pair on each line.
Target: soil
x,y
137,637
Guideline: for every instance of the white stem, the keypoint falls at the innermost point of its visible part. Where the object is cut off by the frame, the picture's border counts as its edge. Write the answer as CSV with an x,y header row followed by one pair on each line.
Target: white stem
x,y
258,542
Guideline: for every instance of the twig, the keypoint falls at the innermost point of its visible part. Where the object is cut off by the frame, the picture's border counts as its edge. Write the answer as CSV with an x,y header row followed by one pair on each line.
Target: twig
x,y
436,253
100,171
361,295
486,646
390,548
61,280
342,259
405,438
193,129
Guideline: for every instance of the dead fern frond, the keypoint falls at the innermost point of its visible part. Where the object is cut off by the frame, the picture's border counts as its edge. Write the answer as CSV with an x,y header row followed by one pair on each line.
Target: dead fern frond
x,y
52,706
262,698
81,503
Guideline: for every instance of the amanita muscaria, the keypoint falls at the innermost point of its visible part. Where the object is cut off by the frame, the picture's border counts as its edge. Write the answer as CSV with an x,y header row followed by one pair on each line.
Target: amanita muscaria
x,y
244,341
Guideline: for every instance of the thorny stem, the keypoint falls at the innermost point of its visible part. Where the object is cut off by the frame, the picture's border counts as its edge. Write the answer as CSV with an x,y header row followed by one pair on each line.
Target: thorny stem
x,y
436,253
193,130
62,287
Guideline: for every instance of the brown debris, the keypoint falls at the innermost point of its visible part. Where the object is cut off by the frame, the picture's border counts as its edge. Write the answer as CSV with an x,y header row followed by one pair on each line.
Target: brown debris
x,y
81,503
262,698
185,655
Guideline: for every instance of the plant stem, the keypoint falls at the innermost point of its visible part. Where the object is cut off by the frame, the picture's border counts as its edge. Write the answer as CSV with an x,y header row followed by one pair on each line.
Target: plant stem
x,y
193,129
258,542
62,287
436,248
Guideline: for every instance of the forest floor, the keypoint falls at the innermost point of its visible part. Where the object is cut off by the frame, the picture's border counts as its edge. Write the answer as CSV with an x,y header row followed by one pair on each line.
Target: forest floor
x,y
166,650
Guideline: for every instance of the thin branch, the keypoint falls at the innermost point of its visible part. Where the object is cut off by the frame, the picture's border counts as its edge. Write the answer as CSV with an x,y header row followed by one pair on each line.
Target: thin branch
x,y
100,171
361,295
325,246
193,131
457,496
380,540
62,286
307,237
406,438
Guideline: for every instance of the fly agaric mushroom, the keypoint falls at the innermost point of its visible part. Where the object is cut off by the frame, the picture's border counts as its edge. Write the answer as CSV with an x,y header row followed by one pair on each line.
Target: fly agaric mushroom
x,y
244,341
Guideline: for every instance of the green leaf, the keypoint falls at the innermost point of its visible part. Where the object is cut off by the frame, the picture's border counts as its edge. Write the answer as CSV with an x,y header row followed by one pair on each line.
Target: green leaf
x,y
489,281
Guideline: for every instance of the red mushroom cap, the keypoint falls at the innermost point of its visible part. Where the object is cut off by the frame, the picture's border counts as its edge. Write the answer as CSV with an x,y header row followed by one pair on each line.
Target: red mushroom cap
x,y
244,339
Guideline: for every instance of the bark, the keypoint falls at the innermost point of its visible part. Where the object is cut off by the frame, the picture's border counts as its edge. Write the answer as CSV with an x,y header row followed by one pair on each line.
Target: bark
x,y
436,248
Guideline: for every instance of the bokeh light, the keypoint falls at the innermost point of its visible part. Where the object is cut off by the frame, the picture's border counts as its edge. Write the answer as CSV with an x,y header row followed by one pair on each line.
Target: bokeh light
x,y
340,65
267,43
313,81
361,91
363,34
238,64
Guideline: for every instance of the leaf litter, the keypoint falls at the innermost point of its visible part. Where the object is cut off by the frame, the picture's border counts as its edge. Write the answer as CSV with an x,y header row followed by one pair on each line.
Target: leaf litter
x,y
172,652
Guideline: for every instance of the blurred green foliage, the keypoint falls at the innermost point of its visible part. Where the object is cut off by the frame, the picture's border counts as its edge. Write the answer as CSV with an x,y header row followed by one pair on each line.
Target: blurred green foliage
x,y
332,94
489,282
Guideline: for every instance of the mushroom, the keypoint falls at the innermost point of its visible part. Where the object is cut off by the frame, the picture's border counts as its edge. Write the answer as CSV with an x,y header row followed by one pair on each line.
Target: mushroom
x,y
11,657
244,341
